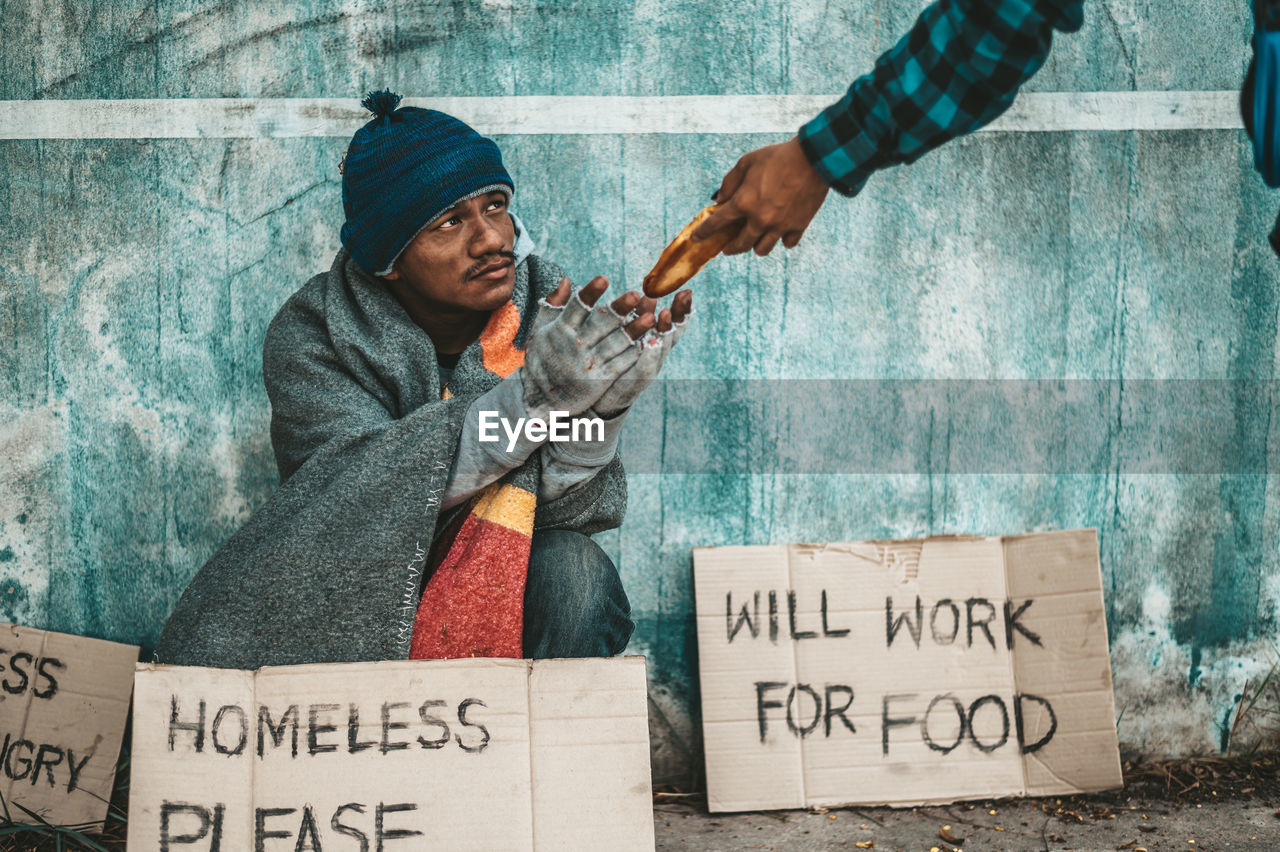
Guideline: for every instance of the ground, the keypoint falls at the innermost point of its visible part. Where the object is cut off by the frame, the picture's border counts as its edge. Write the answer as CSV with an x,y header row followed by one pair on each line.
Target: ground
x,y
1203,804
1013,826
1196,805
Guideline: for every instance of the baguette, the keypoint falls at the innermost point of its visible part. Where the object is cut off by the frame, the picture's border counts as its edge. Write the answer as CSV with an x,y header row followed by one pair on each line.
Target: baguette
x,y
681,260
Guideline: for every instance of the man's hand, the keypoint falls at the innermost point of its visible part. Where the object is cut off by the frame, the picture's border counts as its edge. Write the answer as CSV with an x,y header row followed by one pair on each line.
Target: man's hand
x,y
775,190
576,351
654,348
621,307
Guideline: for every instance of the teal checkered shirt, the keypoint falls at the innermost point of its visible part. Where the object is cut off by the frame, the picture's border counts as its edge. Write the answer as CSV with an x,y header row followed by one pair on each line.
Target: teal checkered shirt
x,y
958,68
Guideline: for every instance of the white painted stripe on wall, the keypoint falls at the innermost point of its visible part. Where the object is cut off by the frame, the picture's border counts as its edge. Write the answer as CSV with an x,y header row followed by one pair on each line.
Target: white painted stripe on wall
x,y
537,114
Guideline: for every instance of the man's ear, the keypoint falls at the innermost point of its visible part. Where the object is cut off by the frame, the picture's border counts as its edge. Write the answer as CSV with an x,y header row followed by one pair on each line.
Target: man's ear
x,y
393,275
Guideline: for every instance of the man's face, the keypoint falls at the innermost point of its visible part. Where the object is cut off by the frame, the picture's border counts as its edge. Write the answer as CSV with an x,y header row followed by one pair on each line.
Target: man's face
x,y
463,259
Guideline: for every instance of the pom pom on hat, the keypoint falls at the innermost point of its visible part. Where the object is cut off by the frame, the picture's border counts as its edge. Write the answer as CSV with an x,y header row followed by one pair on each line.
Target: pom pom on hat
x,y
404,168
381,104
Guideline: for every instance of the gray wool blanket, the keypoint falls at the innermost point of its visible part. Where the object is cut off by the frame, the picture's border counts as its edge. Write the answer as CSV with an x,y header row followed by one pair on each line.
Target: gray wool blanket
x,y
331,568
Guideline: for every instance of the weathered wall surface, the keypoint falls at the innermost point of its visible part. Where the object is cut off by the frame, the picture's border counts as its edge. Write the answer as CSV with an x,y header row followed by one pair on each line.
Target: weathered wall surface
x,y
139,275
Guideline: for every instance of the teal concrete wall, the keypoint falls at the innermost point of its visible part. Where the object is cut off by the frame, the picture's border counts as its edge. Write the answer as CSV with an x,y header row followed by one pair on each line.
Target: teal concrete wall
x,y
139,275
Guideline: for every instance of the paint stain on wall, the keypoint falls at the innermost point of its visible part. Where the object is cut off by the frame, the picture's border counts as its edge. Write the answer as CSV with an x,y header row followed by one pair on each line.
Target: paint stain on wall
x,y
14,602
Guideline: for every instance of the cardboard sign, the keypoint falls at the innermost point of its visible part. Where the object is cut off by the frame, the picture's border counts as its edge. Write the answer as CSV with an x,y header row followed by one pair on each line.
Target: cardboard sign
x,y
904,672
64,703
396,755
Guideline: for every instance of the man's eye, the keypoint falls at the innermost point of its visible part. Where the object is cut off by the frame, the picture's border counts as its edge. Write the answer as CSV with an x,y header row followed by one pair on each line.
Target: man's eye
x,y
449,223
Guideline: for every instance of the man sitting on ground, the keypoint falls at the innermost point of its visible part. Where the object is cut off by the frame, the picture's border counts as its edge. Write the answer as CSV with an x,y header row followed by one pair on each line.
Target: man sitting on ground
x,y
401,529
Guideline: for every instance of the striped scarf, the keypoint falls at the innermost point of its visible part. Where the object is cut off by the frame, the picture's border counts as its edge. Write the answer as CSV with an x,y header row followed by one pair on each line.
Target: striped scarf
x,y
473,605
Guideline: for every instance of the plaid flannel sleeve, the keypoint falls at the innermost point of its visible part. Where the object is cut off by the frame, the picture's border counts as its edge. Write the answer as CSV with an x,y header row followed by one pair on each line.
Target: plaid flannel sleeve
x,y
958,68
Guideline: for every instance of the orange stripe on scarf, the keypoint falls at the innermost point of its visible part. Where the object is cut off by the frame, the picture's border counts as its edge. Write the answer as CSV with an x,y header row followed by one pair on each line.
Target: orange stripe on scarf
x,y
497,341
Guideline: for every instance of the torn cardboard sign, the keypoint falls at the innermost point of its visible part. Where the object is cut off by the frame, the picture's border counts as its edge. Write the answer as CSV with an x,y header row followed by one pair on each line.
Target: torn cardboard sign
x,y
64,703
445,754
904,672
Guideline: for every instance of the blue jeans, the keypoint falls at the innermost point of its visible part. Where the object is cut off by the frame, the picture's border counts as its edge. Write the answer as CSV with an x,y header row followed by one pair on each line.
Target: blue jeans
x,y
574,604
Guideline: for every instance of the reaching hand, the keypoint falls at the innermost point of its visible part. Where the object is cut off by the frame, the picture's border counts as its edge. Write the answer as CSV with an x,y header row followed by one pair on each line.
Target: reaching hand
x,y
575,353
775,191
654,348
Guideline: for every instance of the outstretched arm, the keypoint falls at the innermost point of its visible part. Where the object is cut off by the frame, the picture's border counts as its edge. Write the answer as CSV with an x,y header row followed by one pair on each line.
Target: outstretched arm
x,y
958,68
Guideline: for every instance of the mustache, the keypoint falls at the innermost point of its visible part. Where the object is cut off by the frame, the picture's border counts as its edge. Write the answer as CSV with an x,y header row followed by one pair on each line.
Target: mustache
x,y
490,260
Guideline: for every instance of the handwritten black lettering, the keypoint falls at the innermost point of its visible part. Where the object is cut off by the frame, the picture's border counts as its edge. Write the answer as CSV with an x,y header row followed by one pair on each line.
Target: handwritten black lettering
x,y
980,615
833,689
387,744
53,758
51,684
1011,624
243,733
484,732
289,718
773,616
209,821
315,728
382,833
215,839
892,625
350,831
791,616
1028,748
75,768
196,727
25,759
940,638
977,705
430,719
983,624
354,745
763,687
803,731
826,630
18,688
260,833
744,617
307,832
24,763
925,731
887,721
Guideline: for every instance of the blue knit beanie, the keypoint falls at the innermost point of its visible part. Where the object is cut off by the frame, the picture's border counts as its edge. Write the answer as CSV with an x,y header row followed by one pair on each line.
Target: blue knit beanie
x,y
404,168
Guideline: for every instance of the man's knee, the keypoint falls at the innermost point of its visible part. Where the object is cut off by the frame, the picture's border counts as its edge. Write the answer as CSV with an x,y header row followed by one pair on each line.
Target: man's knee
x,y
571,560
575,603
